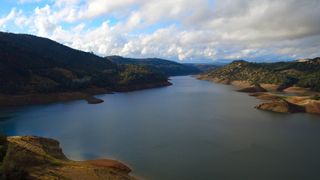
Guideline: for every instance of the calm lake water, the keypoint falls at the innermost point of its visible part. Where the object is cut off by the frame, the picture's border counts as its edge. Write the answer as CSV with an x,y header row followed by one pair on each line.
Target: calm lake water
x,y
191,130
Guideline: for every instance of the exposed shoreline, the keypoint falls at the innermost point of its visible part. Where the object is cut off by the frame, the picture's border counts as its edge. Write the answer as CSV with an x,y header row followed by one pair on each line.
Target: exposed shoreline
x,y
88,95
34,157
290,100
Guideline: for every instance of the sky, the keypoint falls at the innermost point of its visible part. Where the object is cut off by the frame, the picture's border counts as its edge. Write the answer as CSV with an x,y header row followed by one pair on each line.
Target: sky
x,y
180,30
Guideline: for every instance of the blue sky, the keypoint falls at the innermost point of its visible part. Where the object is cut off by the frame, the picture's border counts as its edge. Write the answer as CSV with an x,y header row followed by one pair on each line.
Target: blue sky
x,y
181,30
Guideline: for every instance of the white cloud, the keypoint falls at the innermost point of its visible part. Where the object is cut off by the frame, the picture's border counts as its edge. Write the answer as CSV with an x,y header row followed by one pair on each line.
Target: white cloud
x,y
9,17
44,22
180,29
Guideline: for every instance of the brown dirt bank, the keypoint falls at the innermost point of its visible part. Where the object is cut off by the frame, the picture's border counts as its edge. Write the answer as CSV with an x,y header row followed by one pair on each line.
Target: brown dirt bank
x,y
290,104
28,99
301,101
265,96
300,91
88,95
270,87
252,89
281,106
39,158
310,105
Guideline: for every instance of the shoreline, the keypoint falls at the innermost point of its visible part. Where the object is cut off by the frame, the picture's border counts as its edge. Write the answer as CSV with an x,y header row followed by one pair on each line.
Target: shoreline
x,y
49,162
290,100
46,155
88,95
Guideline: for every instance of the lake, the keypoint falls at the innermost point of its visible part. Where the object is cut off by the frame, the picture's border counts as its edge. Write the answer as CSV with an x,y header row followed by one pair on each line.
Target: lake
x,y
191,130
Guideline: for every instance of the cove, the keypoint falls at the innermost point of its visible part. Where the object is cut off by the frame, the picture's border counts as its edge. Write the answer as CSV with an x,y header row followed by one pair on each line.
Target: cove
x,y
191,130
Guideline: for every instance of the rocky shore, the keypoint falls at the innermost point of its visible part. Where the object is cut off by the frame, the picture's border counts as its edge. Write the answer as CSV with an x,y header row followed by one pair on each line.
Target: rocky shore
x,y
281,106
290,100
30,157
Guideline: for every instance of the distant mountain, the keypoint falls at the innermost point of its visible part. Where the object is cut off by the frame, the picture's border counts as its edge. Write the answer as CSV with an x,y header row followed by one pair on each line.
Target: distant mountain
x,y
167,67
30,64
205,67
299,73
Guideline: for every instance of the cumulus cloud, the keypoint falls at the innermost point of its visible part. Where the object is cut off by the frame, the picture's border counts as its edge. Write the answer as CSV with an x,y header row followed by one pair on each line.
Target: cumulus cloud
x,y
9,17
180,29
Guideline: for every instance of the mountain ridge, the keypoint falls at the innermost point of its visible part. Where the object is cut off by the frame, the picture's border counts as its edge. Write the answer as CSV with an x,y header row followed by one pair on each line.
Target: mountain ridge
x,y
169,68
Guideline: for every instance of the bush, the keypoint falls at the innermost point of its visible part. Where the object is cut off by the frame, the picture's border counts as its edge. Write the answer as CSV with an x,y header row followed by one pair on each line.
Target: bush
x,y
315,97
310,80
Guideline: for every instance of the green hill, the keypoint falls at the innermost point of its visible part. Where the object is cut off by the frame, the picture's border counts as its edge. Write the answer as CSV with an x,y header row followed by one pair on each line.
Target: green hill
x,y
302,74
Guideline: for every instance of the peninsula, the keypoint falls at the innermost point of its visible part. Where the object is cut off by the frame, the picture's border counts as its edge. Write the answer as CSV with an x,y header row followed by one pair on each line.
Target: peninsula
x,y
284,87
30,157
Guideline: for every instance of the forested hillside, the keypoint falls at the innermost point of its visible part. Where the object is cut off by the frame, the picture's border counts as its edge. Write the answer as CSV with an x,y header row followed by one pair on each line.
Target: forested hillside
x,y
30,64
169,68
295,73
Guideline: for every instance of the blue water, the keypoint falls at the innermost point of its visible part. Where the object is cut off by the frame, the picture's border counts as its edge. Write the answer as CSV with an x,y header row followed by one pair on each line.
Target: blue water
x,y
191,130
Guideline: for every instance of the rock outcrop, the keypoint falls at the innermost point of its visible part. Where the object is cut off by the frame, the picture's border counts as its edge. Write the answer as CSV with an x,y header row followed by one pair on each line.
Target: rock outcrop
x,y
30,157
265,96
290,100
281,106
252,89
93,100
310,105
88,95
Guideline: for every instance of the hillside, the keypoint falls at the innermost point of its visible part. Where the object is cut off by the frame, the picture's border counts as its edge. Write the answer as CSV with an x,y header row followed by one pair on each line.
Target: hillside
x,y
285,74
30,64
167,67
289,87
